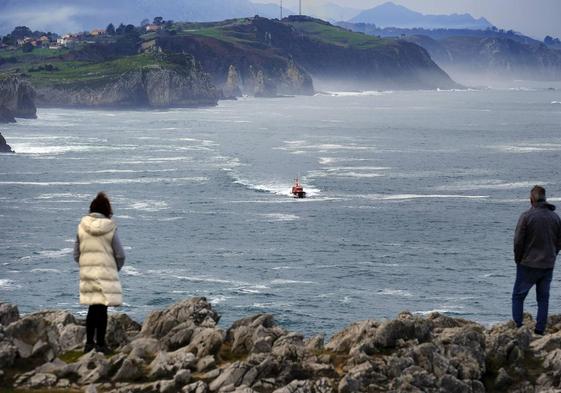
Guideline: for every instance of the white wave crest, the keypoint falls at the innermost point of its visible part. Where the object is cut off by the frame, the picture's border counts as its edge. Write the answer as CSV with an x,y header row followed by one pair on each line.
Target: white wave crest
x,y
279,217
488,185
395,292
368,93
8,285
130,271
288,282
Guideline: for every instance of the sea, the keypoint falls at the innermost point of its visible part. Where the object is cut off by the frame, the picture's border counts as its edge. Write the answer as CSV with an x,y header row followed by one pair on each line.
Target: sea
x,y
413,198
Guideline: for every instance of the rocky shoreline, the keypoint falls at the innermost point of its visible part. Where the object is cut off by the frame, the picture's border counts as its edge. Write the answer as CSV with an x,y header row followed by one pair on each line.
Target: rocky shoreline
x,y
182,349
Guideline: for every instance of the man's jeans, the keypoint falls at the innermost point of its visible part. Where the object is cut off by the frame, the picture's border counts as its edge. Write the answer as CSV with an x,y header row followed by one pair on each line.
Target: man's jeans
x,y
526,278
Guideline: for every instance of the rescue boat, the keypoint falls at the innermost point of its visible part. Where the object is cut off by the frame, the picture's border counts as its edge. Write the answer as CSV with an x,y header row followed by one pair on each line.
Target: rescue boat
x,y
298,190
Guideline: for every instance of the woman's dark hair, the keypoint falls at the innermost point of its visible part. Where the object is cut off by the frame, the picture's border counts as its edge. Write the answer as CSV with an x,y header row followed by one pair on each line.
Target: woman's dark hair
x,y
101,205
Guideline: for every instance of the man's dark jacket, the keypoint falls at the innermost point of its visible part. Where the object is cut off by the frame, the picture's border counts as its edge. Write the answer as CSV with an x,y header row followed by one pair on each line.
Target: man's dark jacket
x,y
537,240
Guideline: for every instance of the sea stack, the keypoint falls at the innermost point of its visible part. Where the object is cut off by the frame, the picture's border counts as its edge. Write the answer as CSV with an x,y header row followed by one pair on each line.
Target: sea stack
x,y
4,147
17,99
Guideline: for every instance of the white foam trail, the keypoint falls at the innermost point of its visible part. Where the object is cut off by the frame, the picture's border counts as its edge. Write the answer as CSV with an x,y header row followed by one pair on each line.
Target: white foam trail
x,y
555,102
401,197
276,188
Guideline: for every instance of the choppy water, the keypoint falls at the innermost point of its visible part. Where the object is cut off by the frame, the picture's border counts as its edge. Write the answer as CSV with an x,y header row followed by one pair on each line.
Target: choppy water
x,y
414,198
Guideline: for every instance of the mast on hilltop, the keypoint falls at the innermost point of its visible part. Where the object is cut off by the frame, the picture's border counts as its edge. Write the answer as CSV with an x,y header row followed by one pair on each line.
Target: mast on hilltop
x,y
300,7
280,9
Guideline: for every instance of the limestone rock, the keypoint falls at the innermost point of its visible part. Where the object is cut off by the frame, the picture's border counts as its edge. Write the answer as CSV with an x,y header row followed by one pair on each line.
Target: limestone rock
x,y
245,334
205,342
198,311
35,336
72,337
152,86
8,352
120,329
8,312
406,327
144,348
353,335
131,370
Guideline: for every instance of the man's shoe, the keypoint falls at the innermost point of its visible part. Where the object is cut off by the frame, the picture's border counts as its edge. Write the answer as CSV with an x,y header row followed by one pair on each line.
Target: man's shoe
x,y
102,349
89,347
538,332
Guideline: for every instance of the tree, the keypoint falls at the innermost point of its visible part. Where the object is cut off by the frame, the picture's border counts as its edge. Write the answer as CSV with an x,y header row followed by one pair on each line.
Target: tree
x,y
121,29
110,30
158,20
21,32
145,22
129,30
9,40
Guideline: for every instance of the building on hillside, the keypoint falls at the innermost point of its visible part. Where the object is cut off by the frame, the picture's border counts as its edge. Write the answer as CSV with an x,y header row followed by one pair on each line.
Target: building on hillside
x,y
97,32
152,27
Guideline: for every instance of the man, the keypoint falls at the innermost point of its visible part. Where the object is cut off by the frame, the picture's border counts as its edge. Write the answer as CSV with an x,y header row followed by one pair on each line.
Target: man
x,y
537,242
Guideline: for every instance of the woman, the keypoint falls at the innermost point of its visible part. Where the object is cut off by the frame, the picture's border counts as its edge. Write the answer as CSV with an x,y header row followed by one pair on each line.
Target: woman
x,y
100,255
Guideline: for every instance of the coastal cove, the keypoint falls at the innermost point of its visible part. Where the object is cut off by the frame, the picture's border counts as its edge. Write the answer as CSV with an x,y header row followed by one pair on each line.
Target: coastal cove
x,y
402,185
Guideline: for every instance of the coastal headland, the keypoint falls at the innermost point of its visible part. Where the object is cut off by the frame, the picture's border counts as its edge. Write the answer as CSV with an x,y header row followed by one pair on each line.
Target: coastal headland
x,y
180,64
182,349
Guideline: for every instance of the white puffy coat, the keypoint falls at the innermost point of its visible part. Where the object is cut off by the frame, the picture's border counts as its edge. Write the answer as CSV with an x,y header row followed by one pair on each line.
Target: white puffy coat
x,y
99,278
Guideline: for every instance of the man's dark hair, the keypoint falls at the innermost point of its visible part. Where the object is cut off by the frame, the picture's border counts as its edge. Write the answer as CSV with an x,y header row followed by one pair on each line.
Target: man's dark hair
x,y
538,193
101,205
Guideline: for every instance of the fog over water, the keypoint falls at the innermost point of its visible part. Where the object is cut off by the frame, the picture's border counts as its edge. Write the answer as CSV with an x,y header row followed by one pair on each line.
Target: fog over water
x,y
413,201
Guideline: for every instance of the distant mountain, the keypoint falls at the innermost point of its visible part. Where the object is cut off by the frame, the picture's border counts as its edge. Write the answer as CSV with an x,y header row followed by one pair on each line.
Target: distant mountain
x,y
63,16
393,15
332,12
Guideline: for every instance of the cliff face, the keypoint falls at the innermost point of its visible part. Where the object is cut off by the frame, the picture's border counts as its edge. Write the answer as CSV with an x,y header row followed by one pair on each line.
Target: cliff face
x,y
259,69
17,99
152,86
182,349
333,53
499,58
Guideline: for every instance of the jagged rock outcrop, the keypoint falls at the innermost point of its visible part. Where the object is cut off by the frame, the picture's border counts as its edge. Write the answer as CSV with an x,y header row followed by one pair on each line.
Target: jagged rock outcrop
x,y
17,99
181,349
152,86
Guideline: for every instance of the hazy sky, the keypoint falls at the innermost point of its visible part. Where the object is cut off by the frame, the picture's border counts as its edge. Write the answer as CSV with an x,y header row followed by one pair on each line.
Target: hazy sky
x,y
536,18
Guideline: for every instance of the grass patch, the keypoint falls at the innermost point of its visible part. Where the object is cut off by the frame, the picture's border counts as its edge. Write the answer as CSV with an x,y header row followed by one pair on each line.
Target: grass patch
x,y
71,357
79,72
337,36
